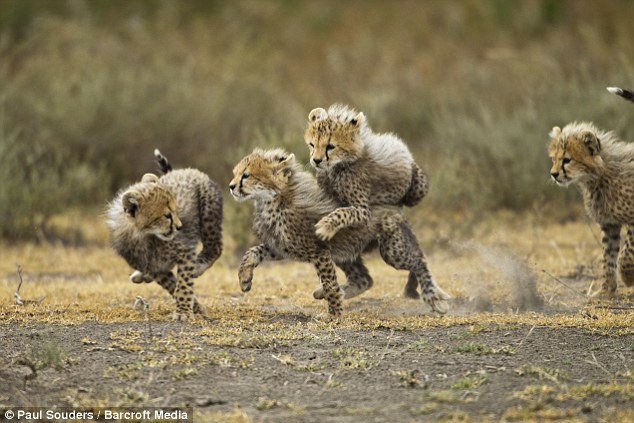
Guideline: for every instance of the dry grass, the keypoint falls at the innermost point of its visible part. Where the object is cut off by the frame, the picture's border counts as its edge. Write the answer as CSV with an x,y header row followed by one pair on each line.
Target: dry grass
x,y
90,283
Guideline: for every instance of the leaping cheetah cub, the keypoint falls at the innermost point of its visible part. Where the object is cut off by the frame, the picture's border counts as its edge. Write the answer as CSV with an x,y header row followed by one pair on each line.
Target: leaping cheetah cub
x,y
288,204
603,167
157,224
359,168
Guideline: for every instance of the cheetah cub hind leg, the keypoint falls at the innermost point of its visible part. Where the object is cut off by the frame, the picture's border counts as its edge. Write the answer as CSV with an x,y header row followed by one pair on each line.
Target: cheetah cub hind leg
x,y
411,288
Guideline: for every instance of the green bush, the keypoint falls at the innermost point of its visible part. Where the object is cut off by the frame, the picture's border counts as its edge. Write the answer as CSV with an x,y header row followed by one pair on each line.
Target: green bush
x,y
37,182
89,89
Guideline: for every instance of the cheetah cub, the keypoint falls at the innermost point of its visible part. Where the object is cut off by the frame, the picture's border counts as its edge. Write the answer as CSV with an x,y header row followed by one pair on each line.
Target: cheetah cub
x,y
603,167
359,168
158,223
288,204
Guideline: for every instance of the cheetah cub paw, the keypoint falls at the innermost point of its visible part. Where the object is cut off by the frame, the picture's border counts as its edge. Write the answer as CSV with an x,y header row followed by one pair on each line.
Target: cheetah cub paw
x,y
318,293
199,308
627,276
350,291
245,276
180,316
436,298
325,230
140,277
200,267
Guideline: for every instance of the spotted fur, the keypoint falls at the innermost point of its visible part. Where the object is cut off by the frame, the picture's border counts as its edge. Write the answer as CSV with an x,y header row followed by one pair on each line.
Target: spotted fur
x,y
359,168
288,204
158,224
603,167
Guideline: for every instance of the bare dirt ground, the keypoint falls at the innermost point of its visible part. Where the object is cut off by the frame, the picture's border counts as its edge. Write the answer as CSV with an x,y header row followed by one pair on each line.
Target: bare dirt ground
x,y
480,372
521,342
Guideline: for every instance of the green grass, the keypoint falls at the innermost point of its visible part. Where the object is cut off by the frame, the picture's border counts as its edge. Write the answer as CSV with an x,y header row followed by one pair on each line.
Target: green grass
x,y
47,353
557,376
351,358
469,383
421,344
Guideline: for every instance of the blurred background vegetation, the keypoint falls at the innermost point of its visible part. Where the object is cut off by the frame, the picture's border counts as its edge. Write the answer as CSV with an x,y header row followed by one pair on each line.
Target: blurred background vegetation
x,y
88,88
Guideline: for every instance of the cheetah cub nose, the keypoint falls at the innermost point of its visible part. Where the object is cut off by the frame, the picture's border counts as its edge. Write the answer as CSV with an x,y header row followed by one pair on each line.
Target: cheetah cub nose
x,y
554,175
317,161
232,187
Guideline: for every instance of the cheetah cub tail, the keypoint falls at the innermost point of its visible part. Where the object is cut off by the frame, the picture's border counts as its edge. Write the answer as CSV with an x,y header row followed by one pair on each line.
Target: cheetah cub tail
x,y
162,162
622,92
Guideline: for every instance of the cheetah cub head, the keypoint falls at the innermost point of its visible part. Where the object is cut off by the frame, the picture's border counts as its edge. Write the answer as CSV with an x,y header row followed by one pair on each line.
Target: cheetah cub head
x,y
263,175
575,152
334,136
151,208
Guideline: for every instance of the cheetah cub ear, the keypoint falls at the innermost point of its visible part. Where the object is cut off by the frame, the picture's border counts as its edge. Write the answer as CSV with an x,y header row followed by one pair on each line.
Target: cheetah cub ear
x,y
130,203
554,133
358,119
287,161
317,114
285,165
150,177
591,142
278,155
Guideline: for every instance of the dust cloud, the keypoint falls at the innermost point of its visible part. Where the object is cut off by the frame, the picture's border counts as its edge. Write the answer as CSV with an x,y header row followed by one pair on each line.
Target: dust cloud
x,y
498,280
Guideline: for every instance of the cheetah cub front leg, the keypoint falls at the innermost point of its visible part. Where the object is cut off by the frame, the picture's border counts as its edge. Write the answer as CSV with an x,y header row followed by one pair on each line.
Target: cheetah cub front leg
x,y
333,294
329,225
169,281
251,259
184,292
249,262
611,241
358,280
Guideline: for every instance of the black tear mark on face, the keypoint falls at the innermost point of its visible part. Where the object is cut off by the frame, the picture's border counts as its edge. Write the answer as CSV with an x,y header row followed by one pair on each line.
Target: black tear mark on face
x,y
564,162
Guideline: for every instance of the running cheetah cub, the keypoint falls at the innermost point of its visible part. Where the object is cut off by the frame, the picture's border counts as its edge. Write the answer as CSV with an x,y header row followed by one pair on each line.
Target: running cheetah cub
x,y
158,223
603,167
359,168
288,204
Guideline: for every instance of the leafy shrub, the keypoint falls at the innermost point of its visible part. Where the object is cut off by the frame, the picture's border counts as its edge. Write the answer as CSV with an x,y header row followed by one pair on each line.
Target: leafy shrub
x,y
89,89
